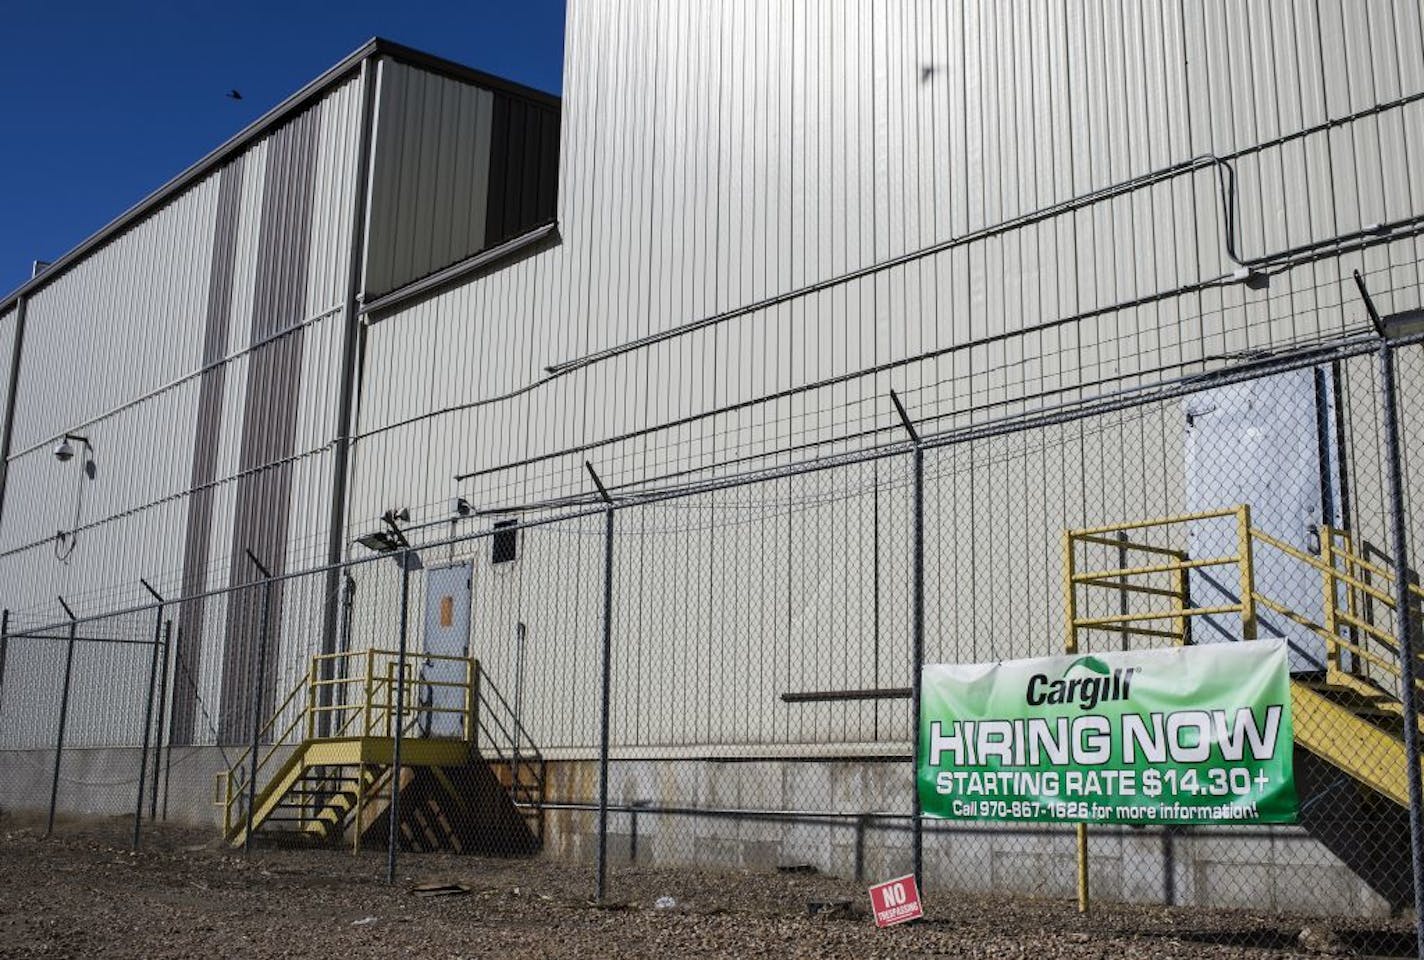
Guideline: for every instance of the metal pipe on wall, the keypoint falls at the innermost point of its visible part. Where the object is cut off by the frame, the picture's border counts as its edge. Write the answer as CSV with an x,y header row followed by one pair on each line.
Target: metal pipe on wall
x,y
351,327
1219,164
1036,418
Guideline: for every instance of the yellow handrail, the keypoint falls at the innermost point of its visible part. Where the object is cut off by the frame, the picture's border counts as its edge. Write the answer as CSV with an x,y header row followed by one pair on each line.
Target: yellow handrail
x,y
1169,521
372,713
1345,630
244,758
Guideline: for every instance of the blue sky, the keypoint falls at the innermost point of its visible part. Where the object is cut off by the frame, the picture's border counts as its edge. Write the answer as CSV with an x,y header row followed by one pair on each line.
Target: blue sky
x,y
104,101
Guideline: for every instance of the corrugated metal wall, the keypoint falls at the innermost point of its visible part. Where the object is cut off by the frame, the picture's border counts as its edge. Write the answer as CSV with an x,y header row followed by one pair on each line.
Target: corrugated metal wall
x,y
718,154
713,156
200,352
456,168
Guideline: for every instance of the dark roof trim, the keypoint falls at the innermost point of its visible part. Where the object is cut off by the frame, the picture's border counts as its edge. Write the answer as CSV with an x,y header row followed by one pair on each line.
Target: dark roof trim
x,y
294,104
458,71
472,264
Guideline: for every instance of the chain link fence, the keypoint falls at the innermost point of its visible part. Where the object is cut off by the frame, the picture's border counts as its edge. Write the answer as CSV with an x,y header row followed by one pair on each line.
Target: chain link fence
x,y
724,677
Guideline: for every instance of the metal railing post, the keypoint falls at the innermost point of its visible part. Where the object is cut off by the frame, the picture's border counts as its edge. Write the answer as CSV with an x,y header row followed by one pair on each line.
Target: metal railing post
x,y
1332,626
148,725
1403,626
259,668
1182,601
472,667
313,699
1247,555
370,692
63,716
393,838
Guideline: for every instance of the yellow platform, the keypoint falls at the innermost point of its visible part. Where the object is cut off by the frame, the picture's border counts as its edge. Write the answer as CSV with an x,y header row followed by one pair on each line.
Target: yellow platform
x,y
336,780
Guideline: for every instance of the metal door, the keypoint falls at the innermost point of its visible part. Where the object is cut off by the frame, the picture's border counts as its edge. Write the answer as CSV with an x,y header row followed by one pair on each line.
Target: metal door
x,y
1269,443
447,634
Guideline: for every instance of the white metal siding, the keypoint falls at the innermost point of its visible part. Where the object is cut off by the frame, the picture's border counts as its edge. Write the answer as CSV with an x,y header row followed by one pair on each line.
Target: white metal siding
x,y
716,154
114,351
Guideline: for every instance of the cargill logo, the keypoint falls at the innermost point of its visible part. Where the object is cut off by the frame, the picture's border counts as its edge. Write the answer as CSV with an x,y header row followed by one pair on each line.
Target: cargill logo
x,y
1092,682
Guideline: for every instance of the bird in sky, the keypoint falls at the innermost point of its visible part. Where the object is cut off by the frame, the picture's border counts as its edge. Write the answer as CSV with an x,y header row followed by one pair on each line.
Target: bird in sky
x,y
234,95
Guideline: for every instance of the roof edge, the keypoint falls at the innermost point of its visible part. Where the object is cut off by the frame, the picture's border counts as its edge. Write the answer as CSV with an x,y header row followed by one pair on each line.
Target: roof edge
x,y
459,71
376,46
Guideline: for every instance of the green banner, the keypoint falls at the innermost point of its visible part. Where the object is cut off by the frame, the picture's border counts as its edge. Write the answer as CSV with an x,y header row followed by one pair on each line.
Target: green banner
x,y
1197,734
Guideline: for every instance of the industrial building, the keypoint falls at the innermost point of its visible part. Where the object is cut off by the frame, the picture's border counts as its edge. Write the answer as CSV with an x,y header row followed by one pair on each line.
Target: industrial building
x,y
417,292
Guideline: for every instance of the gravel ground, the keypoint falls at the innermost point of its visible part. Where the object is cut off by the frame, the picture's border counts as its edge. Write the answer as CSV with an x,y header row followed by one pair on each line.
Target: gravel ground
x,y
84,894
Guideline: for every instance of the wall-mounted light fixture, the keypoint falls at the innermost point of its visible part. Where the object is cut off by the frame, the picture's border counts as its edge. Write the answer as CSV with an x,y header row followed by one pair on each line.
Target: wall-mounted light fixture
x,y
65,541
392,538
64,450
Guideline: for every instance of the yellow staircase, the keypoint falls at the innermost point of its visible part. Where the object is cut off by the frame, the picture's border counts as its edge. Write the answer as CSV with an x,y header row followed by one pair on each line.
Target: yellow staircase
x,y
1349,713
324,770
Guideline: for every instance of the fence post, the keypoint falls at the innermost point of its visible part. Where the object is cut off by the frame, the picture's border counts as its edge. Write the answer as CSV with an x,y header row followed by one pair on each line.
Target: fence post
x,y
63,715
168,760
917,640
162,715
393,830
601,883
148,714
147,730
1403,624
259,668
1070,646
918,655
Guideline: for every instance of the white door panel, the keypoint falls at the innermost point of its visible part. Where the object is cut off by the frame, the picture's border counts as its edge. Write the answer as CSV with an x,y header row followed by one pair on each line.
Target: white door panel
x,y
1260,443
447,634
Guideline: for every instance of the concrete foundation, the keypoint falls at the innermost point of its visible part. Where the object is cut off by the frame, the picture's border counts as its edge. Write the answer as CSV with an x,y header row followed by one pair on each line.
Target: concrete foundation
x,y
1275,869
765,814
